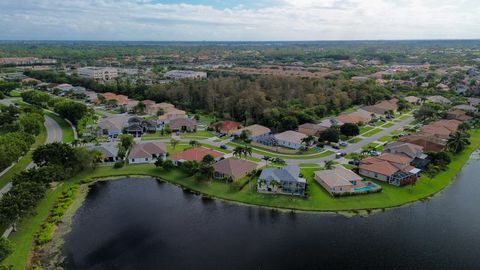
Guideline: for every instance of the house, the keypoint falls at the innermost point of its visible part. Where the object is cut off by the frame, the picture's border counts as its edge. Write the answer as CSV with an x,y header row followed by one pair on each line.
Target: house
x,y
290,139
232,168
438,99
113,126
109,151
403,148
443,87
430,143
473,101
195,154
415,152
460,89
441,128
282,181
465,107
138,126
458,115
340,180
91,97
310,129
352,119
122,100
183,125
172,113
412,99
257,133
382,107
390,168
131,103
147,152
226,127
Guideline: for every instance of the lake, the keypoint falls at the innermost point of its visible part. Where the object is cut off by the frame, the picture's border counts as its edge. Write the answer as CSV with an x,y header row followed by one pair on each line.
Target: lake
x,y
147,224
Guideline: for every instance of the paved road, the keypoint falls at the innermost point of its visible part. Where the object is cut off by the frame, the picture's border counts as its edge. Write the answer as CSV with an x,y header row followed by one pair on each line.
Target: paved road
x,y
357,146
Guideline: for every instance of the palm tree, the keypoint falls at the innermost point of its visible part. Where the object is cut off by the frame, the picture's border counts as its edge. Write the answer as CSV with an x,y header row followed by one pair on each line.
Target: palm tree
x,y
247,151
423,99
238,151
464,126
266,158
458,141
308,140
329,164
75,142
174,143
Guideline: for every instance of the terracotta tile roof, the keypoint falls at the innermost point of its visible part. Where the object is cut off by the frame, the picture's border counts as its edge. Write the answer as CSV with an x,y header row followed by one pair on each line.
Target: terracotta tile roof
x,y
441,127
430,143
228,126
178,123
196,154
234,167
377,165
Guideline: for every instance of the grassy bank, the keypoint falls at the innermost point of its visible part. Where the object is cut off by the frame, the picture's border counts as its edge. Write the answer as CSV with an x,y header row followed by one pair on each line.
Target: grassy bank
x,y
318,200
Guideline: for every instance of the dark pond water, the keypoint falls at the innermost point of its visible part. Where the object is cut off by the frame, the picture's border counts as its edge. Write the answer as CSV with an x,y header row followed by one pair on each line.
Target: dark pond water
x,y
145,224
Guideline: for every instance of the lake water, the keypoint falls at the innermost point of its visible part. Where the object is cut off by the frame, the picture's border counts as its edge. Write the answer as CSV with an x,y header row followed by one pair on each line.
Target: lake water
x,y
146,224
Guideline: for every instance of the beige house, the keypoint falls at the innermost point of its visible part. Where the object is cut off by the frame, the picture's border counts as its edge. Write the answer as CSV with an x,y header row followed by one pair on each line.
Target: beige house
x,y
233,168
339,180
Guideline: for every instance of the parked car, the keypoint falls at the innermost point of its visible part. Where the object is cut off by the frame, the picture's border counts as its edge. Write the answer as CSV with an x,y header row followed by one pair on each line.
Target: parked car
x,y
344,144
374,153
340,154
223,146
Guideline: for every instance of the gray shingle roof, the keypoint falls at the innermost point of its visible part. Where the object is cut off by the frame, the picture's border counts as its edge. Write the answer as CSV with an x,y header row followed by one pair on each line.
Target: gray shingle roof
x,y
287,174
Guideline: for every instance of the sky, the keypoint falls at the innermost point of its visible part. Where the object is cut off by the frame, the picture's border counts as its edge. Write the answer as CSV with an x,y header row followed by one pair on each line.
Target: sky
x,y
248,20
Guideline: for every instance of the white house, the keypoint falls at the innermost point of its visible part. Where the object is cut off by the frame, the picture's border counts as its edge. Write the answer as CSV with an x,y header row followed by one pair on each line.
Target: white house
x,y
98,73
290,139
147,152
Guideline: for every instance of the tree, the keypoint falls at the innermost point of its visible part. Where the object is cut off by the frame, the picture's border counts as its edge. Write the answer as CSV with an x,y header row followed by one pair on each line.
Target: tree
x,y
238,151
194,143
206,170
464,126
36,98
54,154
208,159
458,141
168,165
431,171
173,143
71,110
350,129
330,135
191,167
266,158
86,158
6,248
126,140
160,112
308,140
139,108
159,162
329,164
31,123
245,135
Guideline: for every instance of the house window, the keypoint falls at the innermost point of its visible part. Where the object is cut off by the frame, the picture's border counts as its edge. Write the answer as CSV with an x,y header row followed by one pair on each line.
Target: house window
x,y
133,160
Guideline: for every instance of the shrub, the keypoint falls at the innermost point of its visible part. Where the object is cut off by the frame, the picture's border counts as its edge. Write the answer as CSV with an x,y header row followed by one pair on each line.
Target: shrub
x,y
118,164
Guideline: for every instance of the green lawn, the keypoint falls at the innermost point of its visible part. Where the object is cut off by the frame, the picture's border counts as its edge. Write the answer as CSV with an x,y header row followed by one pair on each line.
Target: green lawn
x,y
318,199
355,140
365,129
396,132
404,117
66,128
372,132
14,93
385,138
303,165
387,125
374,145
198,134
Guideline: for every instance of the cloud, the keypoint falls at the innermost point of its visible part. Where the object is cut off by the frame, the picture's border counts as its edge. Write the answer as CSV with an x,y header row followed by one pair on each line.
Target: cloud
x,y
264,20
